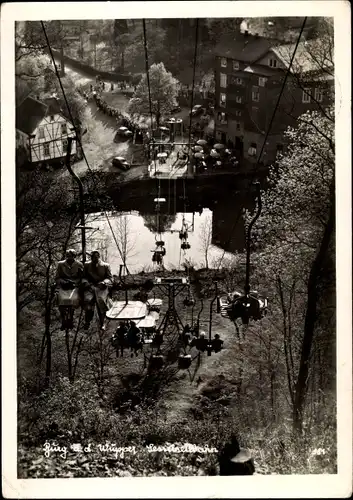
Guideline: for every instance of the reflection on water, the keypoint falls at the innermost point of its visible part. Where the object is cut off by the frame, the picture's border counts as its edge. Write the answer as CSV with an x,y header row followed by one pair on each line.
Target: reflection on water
x,y
136,235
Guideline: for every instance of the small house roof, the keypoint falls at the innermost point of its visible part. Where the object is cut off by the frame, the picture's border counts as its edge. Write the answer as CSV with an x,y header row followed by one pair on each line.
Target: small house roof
x,y
29,114
32,111
53,106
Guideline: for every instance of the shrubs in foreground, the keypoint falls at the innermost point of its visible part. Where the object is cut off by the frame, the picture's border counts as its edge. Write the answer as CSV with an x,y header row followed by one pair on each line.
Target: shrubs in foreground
x,y
69,414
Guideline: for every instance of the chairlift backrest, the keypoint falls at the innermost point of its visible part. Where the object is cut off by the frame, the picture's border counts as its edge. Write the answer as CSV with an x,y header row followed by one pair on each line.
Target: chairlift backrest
x,y
184,361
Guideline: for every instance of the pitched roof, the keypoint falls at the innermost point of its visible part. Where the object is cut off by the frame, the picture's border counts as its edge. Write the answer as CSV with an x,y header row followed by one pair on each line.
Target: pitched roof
x,y
246,48
53,106
31,111
28,115
260,69
303,60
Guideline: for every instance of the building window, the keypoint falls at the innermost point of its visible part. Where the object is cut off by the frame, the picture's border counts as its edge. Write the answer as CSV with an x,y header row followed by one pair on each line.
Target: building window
x,y
306,95
235,65
223,80
64,145
252,149
318,95
272,63
237,126
46,149
51,118
236,81
239,99
41,133
222,118
223,62
63,129
237,112
222,101
255,94
262,81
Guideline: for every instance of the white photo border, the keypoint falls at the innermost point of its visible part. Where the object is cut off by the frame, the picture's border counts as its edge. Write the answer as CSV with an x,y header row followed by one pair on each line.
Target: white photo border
x,y
274,486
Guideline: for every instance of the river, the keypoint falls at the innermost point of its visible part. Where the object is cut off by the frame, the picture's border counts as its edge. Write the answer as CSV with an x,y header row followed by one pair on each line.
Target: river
x,y
135,237
215,230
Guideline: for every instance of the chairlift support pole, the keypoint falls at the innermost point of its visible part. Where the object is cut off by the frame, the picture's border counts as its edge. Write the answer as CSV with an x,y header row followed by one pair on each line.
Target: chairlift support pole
x,y
248,240
211,312
121,279
80,189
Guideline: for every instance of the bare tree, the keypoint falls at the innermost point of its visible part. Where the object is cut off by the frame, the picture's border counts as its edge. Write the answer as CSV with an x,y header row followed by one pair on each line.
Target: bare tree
x,y
45,224
127,243
206,237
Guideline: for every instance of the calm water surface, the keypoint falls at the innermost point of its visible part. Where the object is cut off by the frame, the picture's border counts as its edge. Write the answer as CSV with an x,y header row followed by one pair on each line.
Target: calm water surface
x,y
138,240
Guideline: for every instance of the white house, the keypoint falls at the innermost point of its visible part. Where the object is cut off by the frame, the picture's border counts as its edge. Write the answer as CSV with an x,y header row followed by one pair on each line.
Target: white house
x,y
43,129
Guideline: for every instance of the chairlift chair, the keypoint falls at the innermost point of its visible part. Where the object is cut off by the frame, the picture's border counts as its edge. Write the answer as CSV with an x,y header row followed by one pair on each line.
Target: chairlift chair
x,y
156,361
184,361
157,340
189,301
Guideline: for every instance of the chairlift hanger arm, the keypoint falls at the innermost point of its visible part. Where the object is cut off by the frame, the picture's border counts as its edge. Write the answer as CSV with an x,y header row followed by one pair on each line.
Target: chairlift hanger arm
x,y
248,240
211,311
80,188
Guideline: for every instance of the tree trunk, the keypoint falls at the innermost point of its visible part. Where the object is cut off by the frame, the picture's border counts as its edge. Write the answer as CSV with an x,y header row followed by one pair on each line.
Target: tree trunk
x,y
310,320
49,295
158,117
122,65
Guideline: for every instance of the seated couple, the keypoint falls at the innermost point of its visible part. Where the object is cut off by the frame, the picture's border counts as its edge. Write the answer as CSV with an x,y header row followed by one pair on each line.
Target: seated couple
x,y
83,285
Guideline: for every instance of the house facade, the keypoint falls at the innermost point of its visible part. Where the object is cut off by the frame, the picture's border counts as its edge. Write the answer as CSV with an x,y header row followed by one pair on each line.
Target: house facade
x,y
43,130
248,79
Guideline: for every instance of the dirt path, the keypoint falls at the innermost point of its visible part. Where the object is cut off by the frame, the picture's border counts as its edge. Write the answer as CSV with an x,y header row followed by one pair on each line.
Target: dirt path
x,y
184,391
101,149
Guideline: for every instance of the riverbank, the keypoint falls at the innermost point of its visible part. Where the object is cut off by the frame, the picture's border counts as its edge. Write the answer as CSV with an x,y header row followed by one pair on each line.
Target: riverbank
x,y
138,192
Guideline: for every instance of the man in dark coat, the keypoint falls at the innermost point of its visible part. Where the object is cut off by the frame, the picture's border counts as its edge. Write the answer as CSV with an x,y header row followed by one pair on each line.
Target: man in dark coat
x,y
120,338
96,281
217,343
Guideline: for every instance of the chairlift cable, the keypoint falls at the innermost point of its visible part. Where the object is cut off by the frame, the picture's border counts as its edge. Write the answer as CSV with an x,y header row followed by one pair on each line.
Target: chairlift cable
x,y
158,182
147,71
266,136
189,144
193,80
73,123
64,95
192,102
175,199
179,259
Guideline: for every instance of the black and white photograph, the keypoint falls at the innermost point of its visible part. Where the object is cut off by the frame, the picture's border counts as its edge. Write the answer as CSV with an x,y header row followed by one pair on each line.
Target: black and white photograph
x,y
173,194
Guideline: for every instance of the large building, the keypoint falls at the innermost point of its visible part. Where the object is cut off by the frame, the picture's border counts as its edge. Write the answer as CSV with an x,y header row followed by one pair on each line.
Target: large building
x,y
248,78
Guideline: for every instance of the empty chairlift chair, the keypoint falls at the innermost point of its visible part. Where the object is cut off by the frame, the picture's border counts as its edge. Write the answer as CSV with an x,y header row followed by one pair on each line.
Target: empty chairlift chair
x,y
184,361
156,361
